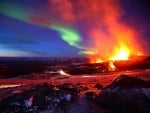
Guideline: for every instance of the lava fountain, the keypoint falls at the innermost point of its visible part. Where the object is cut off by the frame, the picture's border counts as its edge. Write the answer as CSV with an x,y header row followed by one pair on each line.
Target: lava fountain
x,y
116,40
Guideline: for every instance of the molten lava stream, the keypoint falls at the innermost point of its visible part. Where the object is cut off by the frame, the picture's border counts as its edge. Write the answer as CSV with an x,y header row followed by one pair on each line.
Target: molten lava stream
x,y
121,54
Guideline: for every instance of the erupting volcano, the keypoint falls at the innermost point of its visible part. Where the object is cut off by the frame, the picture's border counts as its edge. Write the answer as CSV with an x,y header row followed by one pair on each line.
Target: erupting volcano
x,y
114,39
119,54
74,56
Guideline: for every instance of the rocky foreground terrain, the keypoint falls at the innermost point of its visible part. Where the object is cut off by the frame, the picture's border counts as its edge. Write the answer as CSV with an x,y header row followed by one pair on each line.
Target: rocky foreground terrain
x,y
126,94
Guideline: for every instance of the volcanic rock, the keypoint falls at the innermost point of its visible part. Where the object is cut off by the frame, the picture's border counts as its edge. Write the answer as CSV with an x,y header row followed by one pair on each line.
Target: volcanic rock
x,y
125,81
98,86
126,95
87,69
41,98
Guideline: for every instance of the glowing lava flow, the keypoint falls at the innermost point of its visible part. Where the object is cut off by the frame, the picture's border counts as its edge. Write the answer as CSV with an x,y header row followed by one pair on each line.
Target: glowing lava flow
x,y
96,60
111,66
61,72
122,53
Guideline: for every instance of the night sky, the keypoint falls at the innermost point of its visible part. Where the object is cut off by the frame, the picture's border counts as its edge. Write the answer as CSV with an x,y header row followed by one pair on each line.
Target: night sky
x,y
70,28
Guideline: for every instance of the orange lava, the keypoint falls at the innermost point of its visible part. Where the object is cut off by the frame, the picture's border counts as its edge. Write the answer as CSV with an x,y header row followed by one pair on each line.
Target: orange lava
x,y
121,53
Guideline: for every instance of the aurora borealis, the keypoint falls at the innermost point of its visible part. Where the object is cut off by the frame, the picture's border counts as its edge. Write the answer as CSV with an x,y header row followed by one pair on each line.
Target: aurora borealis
x,y
72,27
